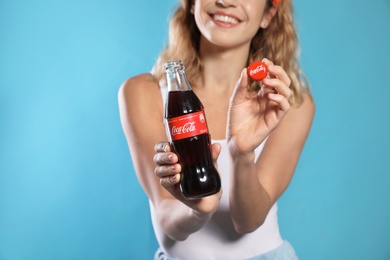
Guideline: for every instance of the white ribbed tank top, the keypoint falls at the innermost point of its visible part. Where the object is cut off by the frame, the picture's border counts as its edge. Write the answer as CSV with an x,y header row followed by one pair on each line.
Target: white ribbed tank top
x,y
218,239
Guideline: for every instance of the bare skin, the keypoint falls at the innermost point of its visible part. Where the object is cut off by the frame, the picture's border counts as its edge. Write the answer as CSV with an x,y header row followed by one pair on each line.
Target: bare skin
x,y
243,119
256,185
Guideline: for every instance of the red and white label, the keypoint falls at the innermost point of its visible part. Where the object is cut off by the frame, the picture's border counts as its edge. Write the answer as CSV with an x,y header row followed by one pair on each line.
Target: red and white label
x,y
186,126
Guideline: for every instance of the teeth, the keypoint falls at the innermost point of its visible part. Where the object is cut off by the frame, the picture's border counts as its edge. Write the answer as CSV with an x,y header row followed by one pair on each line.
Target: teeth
x,y
225,19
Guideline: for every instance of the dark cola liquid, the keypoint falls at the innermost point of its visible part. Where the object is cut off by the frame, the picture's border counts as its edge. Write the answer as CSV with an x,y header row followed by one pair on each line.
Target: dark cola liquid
x,y
199,178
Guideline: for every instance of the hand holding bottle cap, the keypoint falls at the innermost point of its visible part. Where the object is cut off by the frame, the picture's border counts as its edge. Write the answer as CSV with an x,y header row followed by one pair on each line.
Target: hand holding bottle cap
x,y
257,70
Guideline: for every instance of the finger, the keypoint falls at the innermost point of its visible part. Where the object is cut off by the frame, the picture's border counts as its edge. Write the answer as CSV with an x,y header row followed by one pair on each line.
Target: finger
x,y
215,151
276,84
169,181
281,74
167,170
162,147
282,102
278,71
267,62
162,158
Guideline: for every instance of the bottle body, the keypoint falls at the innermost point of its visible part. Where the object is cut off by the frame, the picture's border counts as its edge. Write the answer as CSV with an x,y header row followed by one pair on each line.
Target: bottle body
x,y
189,137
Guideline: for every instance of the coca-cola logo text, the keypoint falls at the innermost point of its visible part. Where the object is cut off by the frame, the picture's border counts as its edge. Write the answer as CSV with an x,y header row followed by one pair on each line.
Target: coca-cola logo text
x,y
257,70
187,125
186,128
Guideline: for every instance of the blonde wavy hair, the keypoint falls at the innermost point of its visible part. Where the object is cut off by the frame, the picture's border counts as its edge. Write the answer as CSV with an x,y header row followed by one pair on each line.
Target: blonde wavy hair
x,y
278,43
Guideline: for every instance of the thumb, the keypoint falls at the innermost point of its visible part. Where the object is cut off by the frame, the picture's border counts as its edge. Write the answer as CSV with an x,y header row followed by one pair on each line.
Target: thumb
x,y
241,89
215,151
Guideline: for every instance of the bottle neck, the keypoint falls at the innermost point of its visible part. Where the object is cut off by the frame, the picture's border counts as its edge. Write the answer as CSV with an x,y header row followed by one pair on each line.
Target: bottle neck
x,y
177,81
176,77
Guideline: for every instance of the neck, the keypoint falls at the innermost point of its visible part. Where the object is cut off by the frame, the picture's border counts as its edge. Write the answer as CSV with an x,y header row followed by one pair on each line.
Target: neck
x,y
221,67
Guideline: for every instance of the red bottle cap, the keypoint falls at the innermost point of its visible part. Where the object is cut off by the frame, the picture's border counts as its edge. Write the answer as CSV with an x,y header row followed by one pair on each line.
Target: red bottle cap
x,y
257,70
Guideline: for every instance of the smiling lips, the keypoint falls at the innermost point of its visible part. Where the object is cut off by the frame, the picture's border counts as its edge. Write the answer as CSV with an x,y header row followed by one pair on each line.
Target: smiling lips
x,y
224,20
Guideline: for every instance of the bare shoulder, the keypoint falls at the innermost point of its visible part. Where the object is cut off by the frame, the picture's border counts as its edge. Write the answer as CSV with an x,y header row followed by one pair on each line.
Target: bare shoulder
x,y
308,103
140,104
140,79
142,83
140,93
305,110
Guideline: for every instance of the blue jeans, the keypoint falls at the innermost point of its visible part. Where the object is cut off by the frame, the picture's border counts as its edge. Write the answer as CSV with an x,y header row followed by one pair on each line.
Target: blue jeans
x,y
283,252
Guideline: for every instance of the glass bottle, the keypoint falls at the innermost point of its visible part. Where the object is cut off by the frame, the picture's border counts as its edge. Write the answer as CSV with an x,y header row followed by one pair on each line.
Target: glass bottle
x,y
188,135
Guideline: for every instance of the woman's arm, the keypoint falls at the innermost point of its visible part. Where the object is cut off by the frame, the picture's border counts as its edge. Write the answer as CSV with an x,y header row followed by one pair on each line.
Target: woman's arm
x,y
141,112
256,185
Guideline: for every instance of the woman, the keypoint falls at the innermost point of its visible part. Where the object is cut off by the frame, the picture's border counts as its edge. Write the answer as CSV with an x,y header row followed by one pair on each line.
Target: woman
x,y
258,135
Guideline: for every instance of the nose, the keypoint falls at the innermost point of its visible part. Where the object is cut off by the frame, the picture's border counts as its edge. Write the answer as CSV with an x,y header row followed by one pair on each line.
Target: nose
x,y
226,3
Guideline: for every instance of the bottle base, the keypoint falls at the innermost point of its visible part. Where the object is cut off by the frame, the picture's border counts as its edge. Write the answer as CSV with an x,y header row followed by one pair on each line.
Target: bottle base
x,y
201,195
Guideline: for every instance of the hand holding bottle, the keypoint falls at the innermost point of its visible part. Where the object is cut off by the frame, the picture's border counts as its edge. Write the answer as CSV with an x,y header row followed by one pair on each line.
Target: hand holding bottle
x,y
168,170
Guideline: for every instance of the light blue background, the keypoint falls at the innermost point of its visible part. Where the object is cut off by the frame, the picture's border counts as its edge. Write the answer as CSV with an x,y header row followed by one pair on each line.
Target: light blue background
x,y
67,187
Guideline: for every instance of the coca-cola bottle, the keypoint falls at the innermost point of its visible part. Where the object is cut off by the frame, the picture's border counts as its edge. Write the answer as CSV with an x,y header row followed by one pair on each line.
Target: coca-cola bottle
x,y
189,136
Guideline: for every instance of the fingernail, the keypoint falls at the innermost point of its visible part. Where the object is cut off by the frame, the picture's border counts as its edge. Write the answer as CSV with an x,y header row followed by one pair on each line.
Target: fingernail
x,y
170,157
